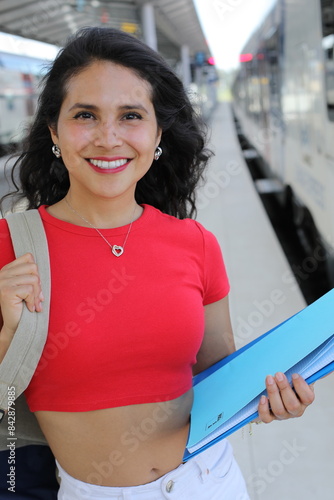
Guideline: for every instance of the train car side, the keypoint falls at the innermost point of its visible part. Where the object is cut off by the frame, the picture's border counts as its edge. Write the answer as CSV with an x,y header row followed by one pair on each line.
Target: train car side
x,y
290,121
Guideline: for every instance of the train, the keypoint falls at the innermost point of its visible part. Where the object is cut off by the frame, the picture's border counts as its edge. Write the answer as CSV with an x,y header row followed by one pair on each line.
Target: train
x,y
283,104
19,79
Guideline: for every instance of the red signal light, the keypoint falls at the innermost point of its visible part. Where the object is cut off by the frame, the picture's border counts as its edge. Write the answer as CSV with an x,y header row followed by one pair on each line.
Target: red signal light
x,y
245,57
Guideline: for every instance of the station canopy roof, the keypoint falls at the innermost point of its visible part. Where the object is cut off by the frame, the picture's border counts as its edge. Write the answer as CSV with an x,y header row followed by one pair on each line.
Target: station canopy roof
x,y
52,21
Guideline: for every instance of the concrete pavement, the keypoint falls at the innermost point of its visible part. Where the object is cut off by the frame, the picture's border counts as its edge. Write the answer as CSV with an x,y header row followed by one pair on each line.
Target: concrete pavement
x,y
291,460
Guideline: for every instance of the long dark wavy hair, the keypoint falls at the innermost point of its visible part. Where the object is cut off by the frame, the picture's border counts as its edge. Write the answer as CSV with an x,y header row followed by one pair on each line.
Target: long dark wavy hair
x,y
170,183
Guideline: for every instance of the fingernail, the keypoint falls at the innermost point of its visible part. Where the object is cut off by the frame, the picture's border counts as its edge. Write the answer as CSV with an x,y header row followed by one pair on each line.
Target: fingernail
x,y
263,400
279,376
270,380
295,376
41,296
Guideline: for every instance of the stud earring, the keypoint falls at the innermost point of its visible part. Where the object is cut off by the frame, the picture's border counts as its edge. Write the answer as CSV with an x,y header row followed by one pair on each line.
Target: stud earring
x,y
158,153
56,150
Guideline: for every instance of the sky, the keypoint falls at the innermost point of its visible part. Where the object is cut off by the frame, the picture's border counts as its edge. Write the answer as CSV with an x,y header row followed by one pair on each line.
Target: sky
x,y
227,25
19,45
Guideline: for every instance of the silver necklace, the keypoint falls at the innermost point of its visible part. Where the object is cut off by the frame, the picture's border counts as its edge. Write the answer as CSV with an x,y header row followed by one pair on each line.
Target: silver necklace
x,y
117,250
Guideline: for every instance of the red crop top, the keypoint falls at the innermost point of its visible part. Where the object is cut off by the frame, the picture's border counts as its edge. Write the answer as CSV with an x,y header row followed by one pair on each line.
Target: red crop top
x,y
123,330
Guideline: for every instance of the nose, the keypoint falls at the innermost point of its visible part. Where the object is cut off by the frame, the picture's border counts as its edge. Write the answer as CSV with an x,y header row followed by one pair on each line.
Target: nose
x,y
107,135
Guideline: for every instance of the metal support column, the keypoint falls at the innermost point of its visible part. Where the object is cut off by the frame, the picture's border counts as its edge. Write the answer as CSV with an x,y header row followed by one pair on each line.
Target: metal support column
x,y
150,35
185,60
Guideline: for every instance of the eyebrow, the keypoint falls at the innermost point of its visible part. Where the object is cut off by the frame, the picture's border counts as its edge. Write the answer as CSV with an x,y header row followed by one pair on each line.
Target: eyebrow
x,y
92,107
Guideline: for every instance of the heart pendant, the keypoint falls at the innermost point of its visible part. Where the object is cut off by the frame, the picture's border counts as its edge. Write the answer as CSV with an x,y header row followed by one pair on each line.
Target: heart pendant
x,y
117,250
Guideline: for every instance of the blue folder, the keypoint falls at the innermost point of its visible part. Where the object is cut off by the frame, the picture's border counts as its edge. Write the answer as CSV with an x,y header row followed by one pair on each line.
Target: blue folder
x,y
226,395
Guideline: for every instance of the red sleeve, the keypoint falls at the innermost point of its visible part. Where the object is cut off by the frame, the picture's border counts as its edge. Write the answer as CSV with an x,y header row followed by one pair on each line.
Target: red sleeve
x,y
216,283
6,248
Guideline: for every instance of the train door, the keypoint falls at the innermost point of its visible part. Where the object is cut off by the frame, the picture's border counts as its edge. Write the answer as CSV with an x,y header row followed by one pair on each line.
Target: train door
x,y
263,143
327,19
273,52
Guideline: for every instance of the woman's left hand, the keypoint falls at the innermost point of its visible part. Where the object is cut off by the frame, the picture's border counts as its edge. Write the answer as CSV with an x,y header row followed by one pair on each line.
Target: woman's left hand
x,y
283,401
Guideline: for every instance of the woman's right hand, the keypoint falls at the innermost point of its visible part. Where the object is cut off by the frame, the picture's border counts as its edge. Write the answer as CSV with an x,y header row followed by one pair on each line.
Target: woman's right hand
x,y
19,282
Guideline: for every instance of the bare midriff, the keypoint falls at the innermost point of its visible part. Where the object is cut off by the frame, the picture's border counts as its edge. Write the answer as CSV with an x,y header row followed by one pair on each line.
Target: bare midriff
x,y
124,446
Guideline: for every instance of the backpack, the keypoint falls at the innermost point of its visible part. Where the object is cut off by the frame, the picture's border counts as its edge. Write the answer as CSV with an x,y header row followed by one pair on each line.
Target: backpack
x,y
21,440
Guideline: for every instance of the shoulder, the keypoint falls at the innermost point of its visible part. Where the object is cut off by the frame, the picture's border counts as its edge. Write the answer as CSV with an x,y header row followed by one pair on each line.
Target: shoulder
x,y
183,228
6,248
189,239
4,230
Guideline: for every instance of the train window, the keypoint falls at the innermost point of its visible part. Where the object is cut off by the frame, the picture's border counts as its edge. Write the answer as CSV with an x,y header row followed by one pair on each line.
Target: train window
x,y
23,64
327,14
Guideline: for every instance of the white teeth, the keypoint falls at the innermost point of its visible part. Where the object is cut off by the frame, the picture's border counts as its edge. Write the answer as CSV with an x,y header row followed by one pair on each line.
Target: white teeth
x,y
108,164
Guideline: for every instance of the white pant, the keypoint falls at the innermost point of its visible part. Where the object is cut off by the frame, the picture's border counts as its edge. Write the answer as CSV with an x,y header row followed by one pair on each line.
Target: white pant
x,y
211,475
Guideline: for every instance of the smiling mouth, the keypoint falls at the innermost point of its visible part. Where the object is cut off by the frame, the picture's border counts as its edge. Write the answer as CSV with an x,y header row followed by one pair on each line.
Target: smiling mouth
x,y
108,165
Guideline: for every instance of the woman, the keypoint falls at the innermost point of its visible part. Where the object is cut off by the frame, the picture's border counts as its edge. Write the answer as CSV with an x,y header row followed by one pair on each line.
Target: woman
x,y
139,292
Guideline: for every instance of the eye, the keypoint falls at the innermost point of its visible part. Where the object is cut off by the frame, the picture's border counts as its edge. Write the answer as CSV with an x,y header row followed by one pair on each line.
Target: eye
x,y
132,116
84,115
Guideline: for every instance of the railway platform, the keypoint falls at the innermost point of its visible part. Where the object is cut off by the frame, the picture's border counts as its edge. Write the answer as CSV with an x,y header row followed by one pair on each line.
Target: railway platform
x,y
289,460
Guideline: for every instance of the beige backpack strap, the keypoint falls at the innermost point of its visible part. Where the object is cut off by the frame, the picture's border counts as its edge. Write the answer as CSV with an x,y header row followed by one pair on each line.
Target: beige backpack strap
x,y
19,364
